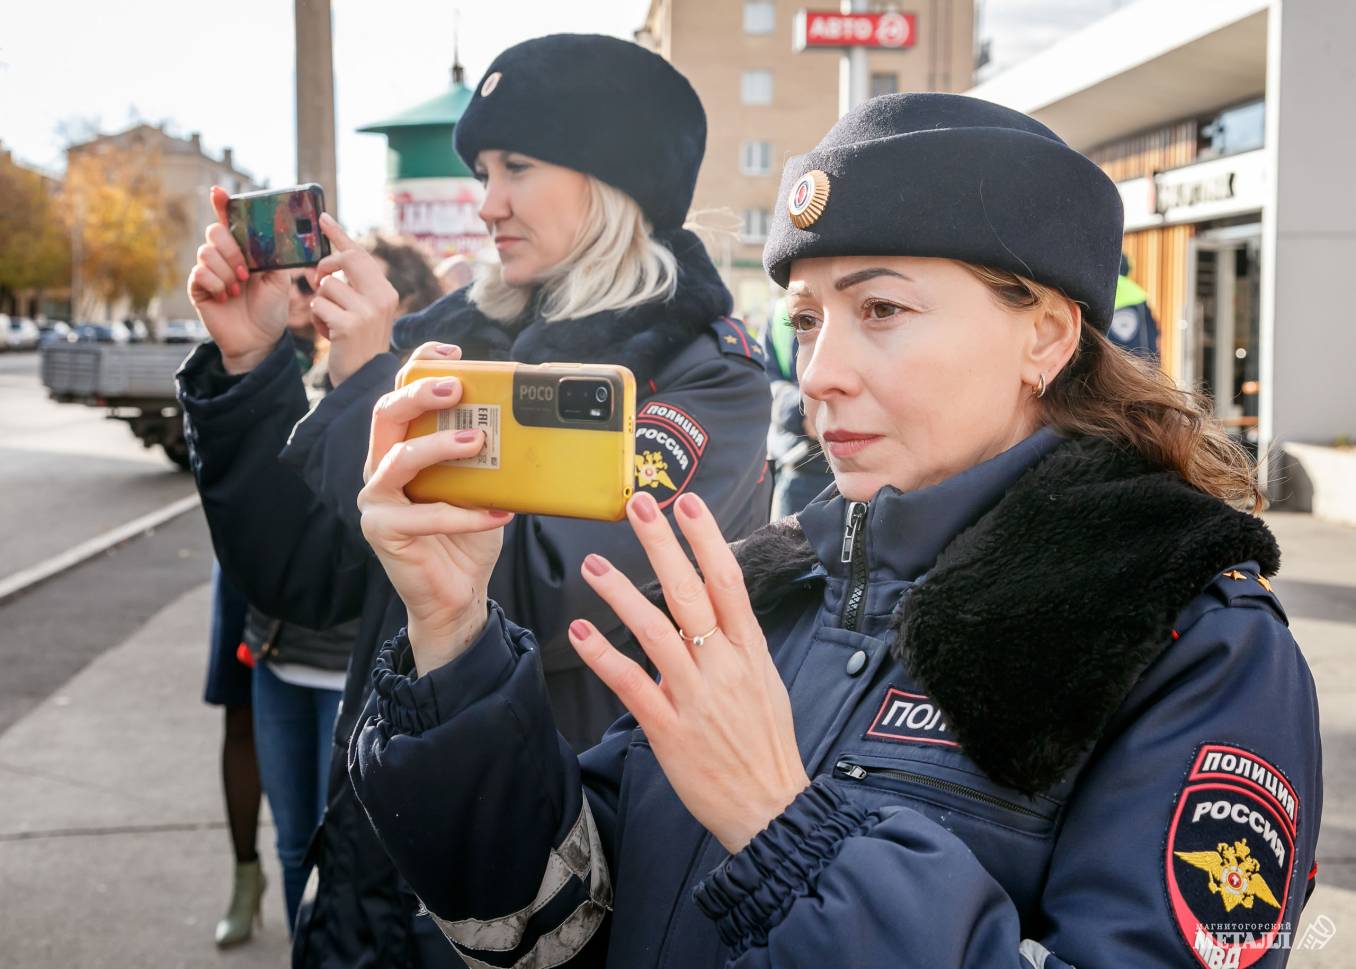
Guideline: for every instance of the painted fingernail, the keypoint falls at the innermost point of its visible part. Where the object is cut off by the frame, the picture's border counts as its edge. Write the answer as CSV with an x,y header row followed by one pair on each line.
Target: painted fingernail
x,y
444,388
690,505
596,564
646,509
579,629
241,273
235,289
464,437
446,349
499,513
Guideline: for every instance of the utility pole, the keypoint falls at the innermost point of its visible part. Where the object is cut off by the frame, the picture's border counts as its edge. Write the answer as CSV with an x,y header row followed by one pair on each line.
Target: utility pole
x,y
315,98
853,78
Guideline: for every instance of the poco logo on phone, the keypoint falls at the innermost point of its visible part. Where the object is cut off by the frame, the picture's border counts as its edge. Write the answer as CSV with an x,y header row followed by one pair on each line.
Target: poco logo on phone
x,y
536,392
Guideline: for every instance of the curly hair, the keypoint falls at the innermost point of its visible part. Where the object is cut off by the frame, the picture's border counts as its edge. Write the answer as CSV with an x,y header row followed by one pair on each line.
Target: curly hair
x,y
1107,392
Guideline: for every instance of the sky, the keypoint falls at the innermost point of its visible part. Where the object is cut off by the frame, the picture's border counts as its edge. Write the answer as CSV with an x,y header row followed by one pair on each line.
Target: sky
x,y
225,69
1020,28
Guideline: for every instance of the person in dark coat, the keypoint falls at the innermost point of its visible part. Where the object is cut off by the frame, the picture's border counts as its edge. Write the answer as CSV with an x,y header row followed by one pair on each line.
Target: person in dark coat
x,y
589,149
1016,692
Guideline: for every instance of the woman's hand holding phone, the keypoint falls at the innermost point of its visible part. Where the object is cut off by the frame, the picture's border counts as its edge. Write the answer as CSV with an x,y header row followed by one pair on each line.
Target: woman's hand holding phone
x,y
245,313
354,310
439,557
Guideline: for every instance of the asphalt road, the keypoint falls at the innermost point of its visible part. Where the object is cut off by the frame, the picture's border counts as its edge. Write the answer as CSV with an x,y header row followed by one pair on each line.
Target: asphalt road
x,y
68,474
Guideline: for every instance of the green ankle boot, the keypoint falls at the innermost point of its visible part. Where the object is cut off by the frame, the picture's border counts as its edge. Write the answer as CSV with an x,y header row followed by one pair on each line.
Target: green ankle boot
x,y
238,924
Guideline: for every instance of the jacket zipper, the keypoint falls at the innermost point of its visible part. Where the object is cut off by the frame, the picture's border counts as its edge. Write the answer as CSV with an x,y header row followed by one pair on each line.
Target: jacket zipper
x,y
854,556
857,772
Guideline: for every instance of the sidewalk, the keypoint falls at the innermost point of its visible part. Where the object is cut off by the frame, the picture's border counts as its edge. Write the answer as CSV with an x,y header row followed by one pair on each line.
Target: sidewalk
x,y
113,843
1317,587
113,849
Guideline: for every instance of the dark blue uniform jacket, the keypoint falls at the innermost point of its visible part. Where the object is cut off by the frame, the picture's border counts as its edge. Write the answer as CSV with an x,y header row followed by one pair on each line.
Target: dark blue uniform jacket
x,y
1052,711
279,485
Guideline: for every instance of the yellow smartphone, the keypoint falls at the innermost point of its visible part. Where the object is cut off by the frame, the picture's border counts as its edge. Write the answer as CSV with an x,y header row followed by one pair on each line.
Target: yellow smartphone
x,y
559,438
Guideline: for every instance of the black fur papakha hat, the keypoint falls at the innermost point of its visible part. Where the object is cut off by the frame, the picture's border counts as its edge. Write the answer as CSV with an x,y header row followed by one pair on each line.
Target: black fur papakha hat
x,y
955,177
599,105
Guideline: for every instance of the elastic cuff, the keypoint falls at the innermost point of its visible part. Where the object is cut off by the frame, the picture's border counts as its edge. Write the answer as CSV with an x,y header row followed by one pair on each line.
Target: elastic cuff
x,y
750,893
413,703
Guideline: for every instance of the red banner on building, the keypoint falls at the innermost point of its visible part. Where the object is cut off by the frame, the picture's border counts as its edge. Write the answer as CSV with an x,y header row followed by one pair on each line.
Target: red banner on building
x,y
823,28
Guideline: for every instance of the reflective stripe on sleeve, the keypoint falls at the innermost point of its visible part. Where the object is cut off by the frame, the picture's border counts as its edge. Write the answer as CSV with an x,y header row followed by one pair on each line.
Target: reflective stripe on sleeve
x,y
581,856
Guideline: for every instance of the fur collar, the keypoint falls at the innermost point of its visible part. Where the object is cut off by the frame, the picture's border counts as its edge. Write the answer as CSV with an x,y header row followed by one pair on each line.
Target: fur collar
x,y
643,338
1066,590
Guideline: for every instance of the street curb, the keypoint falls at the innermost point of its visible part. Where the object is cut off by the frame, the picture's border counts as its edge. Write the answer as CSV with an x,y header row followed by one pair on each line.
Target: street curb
x,y
26,579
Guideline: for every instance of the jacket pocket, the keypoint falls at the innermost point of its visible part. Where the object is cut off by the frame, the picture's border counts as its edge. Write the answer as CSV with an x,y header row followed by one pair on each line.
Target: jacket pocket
x,y
945,790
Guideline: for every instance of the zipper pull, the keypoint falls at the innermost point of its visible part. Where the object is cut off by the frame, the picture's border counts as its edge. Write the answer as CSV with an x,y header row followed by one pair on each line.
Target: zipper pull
x,y
856,772
856,512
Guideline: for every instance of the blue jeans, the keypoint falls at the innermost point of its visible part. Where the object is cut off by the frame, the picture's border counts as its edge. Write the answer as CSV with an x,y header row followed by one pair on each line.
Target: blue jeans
x,y
293,728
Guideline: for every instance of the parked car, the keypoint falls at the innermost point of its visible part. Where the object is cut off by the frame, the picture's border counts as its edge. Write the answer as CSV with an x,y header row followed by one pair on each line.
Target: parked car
x,y
182,331
114,332
20,333
55,332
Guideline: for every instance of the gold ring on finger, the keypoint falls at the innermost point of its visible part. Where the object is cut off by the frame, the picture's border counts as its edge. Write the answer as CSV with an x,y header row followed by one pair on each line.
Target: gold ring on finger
x,y
698,640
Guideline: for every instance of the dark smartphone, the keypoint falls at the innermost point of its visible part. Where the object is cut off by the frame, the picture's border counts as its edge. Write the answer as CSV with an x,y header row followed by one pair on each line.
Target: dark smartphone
x,y
279,228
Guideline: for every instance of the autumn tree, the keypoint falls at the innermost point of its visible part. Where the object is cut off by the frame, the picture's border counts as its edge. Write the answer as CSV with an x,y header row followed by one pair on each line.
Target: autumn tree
x,y
125,228
34,243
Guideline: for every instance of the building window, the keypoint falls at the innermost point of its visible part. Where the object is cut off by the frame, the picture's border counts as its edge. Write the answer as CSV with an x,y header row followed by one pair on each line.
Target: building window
x,y
754,228
756,87
759,17
1233,130
884,83
755,157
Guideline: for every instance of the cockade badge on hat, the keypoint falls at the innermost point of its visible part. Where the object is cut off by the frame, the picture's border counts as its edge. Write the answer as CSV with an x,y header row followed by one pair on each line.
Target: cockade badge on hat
x,y
808,197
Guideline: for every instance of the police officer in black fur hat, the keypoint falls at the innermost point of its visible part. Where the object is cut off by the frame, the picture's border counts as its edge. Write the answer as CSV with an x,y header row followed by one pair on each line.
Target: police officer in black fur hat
x,y
1015,692
589,149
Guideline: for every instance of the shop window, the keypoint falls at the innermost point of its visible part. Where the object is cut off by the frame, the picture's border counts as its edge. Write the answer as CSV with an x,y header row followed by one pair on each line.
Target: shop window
x,y
755,157
759,17
884,82
754,227
1232,131
756,87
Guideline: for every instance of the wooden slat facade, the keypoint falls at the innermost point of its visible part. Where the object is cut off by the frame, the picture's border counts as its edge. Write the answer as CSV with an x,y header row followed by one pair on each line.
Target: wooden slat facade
x,y
1158,256
1158,259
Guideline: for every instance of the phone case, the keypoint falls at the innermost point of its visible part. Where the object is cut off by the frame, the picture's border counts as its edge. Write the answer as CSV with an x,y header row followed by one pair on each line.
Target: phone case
x,y
279,228
534,461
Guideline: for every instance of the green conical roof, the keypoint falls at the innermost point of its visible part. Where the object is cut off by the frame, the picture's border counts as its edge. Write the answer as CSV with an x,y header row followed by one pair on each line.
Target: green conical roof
x,y
445,109
420,139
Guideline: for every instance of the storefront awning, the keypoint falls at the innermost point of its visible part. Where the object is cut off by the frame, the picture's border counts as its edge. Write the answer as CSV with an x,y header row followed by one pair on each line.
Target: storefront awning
x,y
1146,65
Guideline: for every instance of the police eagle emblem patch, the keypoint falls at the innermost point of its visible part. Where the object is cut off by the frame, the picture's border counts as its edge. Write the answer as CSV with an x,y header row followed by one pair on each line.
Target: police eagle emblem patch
x,y
669,446
1230,855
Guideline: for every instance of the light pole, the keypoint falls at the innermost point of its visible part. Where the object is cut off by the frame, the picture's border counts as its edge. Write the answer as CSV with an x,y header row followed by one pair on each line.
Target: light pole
x,y
315,98
853,79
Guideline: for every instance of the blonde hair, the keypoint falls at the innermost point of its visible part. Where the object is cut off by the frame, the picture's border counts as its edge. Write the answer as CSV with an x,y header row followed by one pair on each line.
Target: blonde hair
x,y
1105,391
615,264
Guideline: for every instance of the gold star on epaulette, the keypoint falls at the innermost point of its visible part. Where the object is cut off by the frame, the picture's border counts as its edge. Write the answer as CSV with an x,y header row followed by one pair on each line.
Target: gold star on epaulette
x,y
730,339
1262,581
1236,575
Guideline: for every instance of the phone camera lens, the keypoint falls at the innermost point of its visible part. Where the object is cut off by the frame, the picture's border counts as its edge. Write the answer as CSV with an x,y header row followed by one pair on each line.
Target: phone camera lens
x,y
600,395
